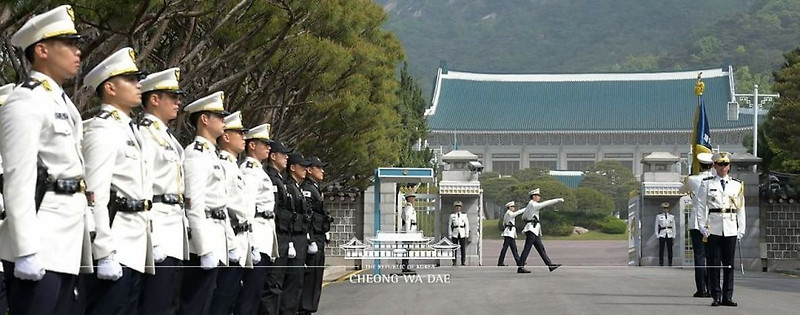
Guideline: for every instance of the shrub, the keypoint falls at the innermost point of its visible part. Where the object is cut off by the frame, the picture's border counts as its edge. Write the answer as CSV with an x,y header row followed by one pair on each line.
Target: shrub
x,y
612,225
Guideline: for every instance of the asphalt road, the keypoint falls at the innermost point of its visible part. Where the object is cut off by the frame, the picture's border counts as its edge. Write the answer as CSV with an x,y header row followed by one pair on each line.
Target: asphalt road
x,y
597,284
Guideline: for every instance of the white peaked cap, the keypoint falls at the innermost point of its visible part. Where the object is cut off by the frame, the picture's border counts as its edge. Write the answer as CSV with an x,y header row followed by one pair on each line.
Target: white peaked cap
x,y
121,62
211,103
58,22
260,132
166,81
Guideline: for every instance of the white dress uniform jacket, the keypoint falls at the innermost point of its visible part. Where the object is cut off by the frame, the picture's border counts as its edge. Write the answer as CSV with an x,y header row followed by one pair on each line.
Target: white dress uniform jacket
x,y
508,223
265,238
532,211
730,200
665,225
166,157
38,119
409,218
459,225
241,207
206,191
691,187
114,152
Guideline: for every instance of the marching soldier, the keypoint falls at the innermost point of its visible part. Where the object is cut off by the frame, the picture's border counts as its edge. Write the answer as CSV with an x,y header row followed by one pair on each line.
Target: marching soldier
x,y
300,233
265,239
44,241
698,245
408,218
665,230
320,235
118,174
277,283
459,230
533,230
161,98
239,205
509,233
722,221
206,200
5,91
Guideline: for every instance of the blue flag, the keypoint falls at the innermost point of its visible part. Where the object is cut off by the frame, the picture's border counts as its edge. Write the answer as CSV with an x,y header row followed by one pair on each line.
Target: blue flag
x,y
701,136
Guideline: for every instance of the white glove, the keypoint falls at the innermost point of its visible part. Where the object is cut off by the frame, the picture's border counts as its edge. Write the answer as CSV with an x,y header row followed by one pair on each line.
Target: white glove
x,y
209,261
560,199
739,236
108,269
292,253
328,236
255,256
312,248
703,231
158,256
233,255
28,268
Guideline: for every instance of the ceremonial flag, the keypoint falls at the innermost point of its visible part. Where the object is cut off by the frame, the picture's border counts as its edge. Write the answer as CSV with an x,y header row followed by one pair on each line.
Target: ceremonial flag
x,y
701,135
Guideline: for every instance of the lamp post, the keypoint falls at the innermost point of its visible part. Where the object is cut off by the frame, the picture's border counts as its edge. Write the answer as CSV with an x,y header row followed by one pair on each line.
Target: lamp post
x,y
755,101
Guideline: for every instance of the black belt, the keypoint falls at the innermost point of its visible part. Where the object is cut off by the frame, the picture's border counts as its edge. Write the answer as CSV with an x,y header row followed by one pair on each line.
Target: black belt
x,y
170,199
125,205
218,214
664,228
509,225
266,214
718,210
242,227
413,223
458,226
67,186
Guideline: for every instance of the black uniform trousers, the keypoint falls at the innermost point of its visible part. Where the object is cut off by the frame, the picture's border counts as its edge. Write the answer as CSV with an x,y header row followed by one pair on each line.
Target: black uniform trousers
x,y
3,303
229,280
662,243
462,241
536,241
53,293
312,282
284,289
253,283
508,242
197,287
159,290
700,272
721,250
114,297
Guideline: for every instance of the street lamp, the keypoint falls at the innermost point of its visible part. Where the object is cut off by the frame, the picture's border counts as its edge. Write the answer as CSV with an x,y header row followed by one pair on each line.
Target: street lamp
x,y
755,101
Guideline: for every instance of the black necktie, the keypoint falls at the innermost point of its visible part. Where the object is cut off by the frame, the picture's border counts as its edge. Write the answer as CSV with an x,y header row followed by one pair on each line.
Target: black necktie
x,y
722,182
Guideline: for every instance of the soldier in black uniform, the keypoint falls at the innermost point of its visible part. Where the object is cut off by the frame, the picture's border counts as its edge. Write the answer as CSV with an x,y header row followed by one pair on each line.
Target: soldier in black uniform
x,y
300,229
320,226
271,297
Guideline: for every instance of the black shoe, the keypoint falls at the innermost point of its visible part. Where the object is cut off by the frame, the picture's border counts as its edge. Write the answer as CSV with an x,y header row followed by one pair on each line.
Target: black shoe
x,y
523,270
554,267
501,265
463,264
715,303
729,303
699,294
707,294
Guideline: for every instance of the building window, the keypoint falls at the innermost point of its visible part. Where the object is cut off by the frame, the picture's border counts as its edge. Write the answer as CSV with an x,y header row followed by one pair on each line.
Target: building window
x,y
505,167
505,156
548,165
578,165
581,156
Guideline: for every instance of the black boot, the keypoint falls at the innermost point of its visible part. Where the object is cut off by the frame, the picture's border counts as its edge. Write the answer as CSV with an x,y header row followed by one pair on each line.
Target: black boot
x,y
554,267
523,270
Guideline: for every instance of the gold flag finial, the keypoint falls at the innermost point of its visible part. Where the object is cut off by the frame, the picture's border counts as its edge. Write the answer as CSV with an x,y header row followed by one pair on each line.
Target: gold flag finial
x,y
700,86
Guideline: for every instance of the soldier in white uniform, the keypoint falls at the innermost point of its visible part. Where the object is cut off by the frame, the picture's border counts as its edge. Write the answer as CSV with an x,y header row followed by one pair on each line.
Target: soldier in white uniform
x,y
264,236
665,230
692,186
161,99
44,240
722,221
240,215
533,230
120,178
459,230
206,199
5,91
408,219
509,233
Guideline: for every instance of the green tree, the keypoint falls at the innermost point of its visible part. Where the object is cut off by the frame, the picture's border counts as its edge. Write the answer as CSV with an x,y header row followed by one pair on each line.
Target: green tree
x,y
781,128
533,174
411,108
592,204
494,187
612,179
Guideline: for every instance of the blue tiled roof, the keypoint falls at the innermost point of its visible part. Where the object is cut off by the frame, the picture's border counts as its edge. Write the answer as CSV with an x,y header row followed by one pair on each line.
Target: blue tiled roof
x,y
572,181
582,102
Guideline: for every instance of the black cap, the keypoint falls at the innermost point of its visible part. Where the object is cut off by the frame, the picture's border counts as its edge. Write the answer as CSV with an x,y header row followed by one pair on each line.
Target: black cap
x,y
278,147
315,161
295,158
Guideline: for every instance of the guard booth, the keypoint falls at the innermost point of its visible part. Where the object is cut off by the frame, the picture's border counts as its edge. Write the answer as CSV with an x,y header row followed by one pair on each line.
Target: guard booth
x,y
460,183
661,182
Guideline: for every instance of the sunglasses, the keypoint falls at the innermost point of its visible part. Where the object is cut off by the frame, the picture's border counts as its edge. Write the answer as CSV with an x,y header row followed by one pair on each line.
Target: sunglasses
x,y
723,163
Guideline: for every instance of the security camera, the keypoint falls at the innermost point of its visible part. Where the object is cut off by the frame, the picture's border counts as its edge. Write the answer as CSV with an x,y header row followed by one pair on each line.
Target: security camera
x,y
475,166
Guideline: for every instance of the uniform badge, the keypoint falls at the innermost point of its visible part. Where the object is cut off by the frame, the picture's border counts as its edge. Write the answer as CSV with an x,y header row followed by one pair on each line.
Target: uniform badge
x,y
71,13
199,146
306,194
62,116
177,74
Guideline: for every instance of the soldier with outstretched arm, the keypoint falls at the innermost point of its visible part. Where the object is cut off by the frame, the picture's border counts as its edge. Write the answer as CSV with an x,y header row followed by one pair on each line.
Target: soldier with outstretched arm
x,y
533,230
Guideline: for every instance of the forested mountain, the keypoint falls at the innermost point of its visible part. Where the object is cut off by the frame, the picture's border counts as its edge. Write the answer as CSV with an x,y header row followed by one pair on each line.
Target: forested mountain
x,y
569,36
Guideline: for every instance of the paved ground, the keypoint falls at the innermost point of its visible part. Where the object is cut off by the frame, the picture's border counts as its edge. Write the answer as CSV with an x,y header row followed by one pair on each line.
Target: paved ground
x,y
594,280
